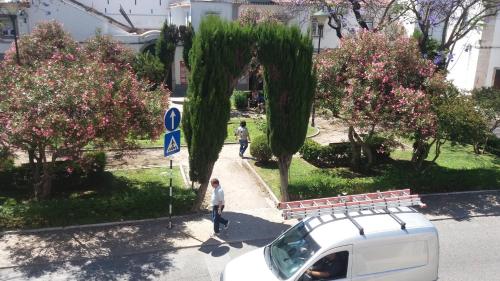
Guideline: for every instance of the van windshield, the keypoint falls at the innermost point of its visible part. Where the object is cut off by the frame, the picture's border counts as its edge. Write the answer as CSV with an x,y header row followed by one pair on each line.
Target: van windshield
x,y
291,251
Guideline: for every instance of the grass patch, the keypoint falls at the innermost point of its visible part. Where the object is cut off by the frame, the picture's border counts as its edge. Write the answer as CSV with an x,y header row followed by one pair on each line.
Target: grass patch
x,y
457,169
114,196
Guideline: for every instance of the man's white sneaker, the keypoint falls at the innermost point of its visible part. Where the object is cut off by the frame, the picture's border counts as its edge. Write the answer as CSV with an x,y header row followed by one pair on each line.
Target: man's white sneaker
x,y
227,225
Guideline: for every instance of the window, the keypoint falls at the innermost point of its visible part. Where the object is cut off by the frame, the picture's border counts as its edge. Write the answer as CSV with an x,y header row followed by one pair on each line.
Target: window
x,y
287,254
380,258
496,81
212,13
330,267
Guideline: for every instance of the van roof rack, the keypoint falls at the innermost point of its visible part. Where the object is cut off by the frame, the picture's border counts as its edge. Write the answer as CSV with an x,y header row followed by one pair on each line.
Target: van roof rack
x,y
352,203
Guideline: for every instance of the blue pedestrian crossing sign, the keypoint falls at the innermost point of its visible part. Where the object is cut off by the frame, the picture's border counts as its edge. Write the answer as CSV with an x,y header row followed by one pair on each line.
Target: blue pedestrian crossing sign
x,y
172,143
172,119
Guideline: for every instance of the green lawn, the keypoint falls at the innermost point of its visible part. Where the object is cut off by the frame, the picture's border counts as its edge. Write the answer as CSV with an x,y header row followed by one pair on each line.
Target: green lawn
x,y
255,127
457,169
114,196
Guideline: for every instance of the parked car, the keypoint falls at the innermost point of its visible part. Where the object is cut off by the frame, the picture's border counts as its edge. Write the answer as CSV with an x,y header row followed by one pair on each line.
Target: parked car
x,y
401,245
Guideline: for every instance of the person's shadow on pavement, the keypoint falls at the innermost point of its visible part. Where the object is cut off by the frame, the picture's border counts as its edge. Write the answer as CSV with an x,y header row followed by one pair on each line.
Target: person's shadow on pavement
x,y
244,228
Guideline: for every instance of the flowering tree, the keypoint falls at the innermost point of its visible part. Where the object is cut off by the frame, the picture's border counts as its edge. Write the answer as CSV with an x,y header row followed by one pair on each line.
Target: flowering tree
x,y
455,19
55,104
375,84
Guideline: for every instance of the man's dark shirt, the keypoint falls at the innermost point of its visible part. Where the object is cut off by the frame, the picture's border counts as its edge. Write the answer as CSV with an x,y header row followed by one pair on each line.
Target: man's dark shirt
x,y
336,268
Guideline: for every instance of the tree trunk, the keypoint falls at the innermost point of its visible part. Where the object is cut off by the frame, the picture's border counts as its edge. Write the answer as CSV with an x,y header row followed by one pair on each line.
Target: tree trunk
x,y
46,179
284,162
202,190
420,153
476,148
35,173
368,152
356,150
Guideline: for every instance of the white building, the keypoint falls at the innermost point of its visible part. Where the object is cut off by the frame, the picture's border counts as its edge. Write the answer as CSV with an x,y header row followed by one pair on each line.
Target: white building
x,y
476,57
83,18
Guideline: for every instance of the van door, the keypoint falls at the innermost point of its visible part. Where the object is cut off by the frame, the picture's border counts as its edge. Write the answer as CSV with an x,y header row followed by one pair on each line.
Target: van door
x,y
334,264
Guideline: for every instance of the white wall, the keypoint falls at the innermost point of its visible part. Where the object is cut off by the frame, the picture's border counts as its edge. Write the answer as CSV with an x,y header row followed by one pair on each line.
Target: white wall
x,y
462,69
146,14
494,53
180,14
81,24
200,9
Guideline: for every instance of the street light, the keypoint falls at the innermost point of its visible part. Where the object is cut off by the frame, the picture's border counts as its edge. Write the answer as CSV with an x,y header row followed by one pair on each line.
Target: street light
x,y
12,8
320,17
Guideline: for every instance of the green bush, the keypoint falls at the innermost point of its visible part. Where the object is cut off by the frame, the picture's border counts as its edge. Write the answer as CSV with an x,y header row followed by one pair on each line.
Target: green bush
x,y
240,100
148,66
94,162
261,125
381,146
332,155
311,151
493,145
6,160
260,149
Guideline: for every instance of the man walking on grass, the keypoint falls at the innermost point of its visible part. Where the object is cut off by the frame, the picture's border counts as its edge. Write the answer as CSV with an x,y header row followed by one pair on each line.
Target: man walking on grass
x,y
218,206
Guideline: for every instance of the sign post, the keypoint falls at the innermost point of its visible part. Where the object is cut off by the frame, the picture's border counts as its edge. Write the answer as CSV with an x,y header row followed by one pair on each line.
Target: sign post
x,y
171,146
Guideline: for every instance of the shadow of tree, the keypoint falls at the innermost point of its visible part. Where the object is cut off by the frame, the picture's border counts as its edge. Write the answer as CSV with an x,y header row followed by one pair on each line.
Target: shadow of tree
x,y
463,206
139,251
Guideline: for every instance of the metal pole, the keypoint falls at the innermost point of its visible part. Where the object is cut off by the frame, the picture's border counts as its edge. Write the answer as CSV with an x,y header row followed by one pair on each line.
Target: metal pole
x,y
320,29
13,19
170,198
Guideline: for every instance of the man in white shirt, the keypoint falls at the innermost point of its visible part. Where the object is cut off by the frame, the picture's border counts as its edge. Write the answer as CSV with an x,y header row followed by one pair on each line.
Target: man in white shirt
x,y
217,206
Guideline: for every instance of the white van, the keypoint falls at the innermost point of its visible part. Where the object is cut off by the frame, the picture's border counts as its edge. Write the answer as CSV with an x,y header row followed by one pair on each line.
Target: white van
x,y
398,244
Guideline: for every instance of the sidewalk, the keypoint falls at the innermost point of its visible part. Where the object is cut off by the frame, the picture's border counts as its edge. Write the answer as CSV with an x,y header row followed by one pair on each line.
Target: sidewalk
x,y
252,215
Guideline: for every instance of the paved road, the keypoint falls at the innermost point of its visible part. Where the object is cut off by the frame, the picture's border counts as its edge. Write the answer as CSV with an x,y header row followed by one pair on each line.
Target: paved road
x,y
469,251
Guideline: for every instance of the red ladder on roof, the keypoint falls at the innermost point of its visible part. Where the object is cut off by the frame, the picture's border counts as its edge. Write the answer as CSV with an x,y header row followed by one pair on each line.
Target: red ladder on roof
x,y
350,203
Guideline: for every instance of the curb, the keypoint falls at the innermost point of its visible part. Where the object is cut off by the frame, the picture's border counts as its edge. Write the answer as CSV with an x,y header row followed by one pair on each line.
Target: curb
x,y
315,134
262,182
460,192
184,176
96,225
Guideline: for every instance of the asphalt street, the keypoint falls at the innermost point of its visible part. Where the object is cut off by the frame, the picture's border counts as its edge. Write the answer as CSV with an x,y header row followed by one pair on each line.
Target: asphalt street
x,y
468,251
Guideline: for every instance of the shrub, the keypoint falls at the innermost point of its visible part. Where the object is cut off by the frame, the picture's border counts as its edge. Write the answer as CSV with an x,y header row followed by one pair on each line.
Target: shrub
x,y
310,151
493,145
94,163
6,160
240,100
260,149
261,125
381,146
332,155
148,66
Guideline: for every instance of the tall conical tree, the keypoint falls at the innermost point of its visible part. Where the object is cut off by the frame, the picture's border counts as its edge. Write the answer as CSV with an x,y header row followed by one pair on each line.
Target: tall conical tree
x,y
289,84
218,58
165,48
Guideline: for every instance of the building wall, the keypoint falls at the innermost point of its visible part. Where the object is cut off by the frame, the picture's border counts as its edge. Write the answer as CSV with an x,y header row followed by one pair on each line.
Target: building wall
x,y
199,9
147,14
464,65
489,54
81,24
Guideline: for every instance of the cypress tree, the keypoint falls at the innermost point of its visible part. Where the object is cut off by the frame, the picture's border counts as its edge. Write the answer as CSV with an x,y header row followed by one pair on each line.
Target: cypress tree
x,y
187,34
165,48
218,58
289,89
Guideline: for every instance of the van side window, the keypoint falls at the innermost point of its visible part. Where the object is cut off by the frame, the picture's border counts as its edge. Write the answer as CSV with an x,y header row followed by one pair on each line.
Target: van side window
x,y
330,267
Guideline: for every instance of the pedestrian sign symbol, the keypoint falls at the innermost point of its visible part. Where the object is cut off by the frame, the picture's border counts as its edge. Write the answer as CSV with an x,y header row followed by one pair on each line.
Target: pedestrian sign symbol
x,y
172,147
172,143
